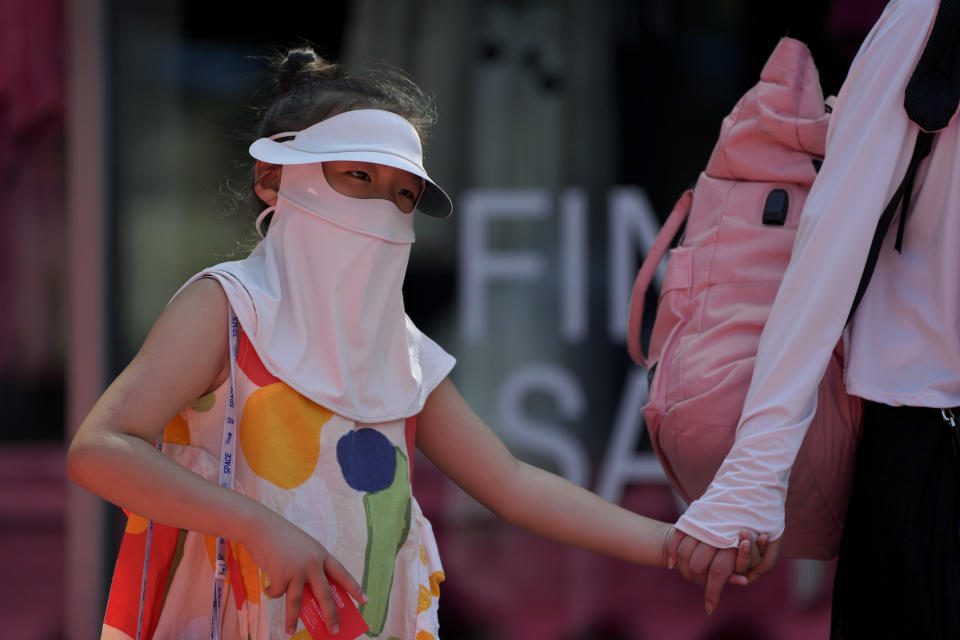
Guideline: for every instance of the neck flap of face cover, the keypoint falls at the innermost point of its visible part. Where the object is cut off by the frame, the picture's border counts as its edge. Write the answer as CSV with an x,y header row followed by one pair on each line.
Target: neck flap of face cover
x,y
320,301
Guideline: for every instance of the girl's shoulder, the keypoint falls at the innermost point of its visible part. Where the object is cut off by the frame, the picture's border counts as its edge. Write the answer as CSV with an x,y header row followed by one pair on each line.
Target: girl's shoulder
x,y
193,330
200,306
202,293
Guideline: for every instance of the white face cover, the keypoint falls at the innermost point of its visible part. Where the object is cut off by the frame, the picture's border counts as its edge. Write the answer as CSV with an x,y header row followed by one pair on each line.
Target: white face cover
x,y
320,300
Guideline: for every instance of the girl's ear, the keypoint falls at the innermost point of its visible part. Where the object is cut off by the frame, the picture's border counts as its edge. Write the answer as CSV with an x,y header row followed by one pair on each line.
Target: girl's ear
x,y
266,181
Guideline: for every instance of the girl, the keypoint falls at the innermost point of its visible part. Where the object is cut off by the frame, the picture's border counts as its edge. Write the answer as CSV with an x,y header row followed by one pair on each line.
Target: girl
x,y
302,355
898,574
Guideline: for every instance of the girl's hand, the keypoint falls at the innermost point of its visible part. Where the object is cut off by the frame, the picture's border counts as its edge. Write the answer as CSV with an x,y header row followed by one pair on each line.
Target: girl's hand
x,y
707,565
292,559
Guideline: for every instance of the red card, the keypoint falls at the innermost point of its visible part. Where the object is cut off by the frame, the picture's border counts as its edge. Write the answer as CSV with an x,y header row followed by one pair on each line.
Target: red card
x,y
236,577
352,623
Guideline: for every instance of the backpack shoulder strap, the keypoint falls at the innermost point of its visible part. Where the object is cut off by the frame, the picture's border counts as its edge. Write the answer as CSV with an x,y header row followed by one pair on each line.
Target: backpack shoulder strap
x,y
902,195
650,263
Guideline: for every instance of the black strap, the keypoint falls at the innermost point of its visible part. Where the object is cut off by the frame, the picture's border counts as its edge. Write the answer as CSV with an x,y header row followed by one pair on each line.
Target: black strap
x,y
902,195
930,99
921,149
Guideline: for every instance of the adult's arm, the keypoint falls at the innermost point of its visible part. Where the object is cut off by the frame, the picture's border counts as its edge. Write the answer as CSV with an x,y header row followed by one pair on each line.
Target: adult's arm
x,y
869,144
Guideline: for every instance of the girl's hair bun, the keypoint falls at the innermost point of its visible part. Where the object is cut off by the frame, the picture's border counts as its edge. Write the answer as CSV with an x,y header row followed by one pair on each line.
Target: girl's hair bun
x,y
303,65
311,89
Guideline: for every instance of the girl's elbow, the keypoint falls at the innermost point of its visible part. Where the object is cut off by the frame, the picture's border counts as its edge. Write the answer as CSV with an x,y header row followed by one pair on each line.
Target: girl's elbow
x,y
505,502
75,462
81,461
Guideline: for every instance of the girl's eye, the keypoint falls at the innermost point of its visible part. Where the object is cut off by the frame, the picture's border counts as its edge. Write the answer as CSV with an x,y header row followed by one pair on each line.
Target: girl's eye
x,y
360,175
406,193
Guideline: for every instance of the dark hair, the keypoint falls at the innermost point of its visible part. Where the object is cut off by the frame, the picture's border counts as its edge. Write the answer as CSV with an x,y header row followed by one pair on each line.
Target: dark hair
x,y
309,89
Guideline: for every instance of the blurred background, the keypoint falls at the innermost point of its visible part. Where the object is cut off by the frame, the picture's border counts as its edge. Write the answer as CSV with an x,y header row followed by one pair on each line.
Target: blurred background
x,y
566,131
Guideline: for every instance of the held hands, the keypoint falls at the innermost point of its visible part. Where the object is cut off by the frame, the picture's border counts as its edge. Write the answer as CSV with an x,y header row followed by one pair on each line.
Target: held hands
x,y
291,559
707,565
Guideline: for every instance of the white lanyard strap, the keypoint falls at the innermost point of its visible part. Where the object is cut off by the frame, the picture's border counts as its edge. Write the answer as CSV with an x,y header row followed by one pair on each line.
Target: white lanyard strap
x,y
228,449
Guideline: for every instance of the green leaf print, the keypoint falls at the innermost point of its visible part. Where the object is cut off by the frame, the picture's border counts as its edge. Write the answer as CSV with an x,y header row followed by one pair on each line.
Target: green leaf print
x,y
388,524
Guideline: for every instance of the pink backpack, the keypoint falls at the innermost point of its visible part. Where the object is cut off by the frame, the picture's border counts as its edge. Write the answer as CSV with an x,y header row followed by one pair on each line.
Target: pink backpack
x,y
717,290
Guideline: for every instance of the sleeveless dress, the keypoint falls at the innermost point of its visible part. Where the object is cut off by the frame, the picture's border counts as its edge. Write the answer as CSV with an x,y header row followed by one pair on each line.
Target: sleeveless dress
x,y
345,483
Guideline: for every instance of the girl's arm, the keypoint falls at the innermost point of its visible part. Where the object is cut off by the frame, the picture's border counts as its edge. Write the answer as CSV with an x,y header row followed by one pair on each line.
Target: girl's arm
x,y
467,450
112,454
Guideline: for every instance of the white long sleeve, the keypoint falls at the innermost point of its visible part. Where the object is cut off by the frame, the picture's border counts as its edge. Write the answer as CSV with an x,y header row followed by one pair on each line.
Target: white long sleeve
x,y
869,144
